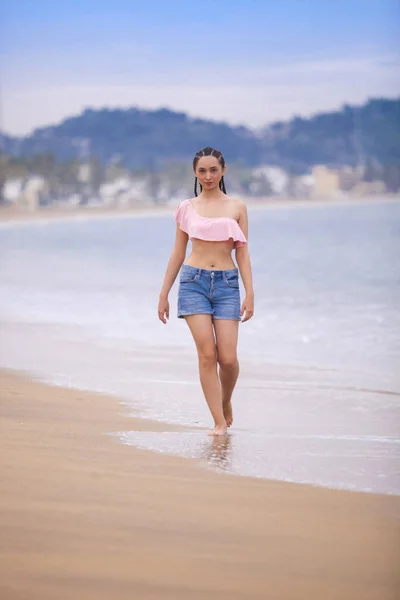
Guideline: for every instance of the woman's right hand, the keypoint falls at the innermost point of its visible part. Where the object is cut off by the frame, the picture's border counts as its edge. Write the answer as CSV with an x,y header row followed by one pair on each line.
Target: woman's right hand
x,y
163,309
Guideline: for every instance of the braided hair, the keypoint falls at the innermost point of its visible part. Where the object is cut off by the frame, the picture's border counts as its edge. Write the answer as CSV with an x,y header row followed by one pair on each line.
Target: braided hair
x,y
208,151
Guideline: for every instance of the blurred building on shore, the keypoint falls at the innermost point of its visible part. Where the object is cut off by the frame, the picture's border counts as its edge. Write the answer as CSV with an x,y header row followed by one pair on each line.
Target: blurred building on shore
x,y
118,188
331,182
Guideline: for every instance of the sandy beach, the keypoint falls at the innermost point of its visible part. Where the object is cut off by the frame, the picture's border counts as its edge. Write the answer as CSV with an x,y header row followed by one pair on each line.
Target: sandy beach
x,y
84,517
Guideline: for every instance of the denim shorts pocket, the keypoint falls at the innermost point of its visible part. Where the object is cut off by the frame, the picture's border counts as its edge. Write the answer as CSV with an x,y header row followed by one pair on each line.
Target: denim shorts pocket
x,y
189,275
232,280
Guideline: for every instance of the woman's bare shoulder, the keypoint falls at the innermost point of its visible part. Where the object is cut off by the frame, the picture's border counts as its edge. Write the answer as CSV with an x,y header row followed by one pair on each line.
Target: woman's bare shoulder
x,y
237,204
236,201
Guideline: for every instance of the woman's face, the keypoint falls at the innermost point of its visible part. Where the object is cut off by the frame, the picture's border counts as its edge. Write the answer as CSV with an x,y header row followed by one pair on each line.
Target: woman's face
x,y
209,172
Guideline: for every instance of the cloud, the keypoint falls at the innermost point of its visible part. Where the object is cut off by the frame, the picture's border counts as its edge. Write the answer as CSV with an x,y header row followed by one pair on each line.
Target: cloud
x,y
252,95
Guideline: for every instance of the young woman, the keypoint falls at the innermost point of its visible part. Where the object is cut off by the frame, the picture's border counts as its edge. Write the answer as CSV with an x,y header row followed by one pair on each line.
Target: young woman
x,y
209,298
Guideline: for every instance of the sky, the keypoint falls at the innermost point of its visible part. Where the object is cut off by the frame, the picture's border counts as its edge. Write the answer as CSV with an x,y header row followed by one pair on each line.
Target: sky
x,y
248,62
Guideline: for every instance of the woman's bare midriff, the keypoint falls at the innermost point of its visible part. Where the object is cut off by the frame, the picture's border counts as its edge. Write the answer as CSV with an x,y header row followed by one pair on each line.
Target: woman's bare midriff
x,y
211,255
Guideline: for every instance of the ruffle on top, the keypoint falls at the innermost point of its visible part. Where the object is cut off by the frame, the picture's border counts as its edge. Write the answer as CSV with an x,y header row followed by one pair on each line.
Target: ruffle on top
x,y
209,229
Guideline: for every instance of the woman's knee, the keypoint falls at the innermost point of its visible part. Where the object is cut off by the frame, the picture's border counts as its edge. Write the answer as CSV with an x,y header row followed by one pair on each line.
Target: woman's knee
x,y
208,358
228,361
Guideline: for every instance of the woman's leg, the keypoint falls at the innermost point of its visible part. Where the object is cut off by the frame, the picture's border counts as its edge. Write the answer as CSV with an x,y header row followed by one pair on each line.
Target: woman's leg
x,y
226,332
203,335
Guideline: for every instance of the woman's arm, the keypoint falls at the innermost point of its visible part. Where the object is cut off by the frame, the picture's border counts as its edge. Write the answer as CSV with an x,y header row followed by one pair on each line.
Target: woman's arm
x,y
244,264
174,264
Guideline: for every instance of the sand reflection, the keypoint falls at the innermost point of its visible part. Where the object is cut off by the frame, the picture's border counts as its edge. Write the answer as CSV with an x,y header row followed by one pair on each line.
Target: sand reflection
x,y
217,450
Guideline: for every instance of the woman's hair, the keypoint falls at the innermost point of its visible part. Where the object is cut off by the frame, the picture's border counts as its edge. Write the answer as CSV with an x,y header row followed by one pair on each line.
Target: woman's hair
x,y
209,152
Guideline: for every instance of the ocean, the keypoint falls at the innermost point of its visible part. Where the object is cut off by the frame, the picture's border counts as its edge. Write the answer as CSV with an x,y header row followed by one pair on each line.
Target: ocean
x,y
318,399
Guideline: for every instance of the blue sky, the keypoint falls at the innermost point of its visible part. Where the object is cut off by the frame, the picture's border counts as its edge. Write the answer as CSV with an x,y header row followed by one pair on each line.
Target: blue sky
x,y
243,62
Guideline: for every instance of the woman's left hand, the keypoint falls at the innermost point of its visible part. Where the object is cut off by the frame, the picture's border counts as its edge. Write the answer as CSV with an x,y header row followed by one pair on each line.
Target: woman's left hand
x,y
247,308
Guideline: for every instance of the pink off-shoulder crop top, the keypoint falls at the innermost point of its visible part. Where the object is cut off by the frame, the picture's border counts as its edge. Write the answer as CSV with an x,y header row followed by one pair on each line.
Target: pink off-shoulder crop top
x,y
210,229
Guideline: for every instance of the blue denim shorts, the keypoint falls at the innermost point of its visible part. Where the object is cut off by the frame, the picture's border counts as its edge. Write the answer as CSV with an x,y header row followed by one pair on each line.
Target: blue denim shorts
x,y
204,292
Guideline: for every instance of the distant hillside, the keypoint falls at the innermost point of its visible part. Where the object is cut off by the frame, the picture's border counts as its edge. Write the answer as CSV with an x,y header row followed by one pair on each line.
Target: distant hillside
x,y
366,135
369,134
141,138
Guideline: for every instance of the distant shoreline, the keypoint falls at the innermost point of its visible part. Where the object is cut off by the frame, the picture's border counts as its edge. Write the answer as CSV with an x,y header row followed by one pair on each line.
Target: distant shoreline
x,y
12,214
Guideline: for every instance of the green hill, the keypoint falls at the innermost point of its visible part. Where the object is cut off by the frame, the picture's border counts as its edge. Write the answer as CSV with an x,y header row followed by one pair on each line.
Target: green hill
x,y
369,135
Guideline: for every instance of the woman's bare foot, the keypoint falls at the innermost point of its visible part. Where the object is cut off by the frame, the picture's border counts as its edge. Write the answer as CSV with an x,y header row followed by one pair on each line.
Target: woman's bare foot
x,y
227,408
218,430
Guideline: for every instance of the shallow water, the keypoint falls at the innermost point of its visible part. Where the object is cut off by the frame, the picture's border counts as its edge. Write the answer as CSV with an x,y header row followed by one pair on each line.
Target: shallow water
x,y
318,397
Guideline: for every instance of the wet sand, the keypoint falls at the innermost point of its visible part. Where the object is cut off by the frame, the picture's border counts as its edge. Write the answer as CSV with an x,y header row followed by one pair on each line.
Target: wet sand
x,y
83,517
